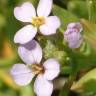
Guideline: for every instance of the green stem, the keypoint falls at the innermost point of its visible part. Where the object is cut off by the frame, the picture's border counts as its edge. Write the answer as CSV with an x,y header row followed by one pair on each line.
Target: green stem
x,y
88,2
66,89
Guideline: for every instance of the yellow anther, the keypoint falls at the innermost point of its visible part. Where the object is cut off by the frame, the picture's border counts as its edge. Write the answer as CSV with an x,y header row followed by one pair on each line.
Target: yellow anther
x,y
37,69
37,21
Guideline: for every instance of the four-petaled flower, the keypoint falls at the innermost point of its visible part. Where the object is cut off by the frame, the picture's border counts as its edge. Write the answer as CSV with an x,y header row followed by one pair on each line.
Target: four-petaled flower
x,y
26,13
73,35
31,54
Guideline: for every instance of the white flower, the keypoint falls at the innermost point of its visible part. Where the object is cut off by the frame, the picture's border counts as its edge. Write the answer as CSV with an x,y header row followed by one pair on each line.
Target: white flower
x,y
46,72
26,13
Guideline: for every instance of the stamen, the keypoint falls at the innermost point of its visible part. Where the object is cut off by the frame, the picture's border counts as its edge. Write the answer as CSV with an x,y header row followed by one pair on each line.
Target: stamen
x,y
37,21
37,69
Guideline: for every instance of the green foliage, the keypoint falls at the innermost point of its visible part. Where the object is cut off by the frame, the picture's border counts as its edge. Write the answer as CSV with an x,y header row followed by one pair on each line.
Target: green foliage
x,y
65,16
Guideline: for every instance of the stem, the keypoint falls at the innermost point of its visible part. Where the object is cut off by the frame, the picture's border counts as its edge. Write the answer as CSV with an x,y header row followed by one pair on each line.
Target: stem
x,y
66,89
89,3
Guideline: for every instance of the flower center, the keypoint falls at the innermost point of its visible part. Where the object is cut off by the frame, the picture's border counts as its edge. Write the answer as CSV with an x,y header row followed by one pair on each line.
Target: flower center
x,y
37,69
37,21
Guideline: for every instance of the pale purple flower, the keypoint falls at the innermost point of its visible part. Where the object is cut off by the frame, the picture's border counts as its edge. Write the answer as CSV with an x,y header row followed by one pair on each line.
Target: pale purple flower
x,y
37,19
73,35
46,72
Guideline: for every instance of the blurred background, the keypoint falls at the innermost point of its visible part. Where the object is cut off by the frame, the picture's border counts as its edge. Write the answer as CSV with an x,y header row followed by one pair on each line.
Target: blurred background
x,y
68,11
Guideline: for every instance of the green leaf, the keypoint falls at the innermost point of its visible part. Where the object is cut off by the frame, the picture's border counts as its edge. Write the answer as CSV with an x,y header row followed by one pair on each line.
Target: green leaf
x,y
79,8
7,62
27,91
2,21
91,5
80,85
12,25
66,70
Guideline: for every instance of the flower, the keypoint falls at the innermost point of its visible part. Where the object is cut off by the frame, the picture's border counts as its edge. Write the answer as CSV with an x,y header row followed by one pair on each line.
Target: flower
x,y
46,24
46,72
73,35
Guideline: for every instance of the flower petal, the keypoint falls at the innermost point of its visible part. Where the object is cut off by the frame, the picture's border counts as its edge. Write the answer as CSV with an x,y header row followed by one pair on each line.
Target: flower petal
x,y
44,8
72,35
31,52
52,24
25,12
73,38
26,34
21,74
74,25
42,87
52,69
75,44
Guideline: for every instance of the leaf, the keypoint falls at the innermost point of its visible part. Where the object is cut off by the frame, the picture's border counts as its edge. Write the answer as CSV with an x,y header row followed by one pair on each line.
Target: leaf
x,y
79,8
91,5
79,85
66,70
89,33
6,78
2,21
12,25
7,62
27,91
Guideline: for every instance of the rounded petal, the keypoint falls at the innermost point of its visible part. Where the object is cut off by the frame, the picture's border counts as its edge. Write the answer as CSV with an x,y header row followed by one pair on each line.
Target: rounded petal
x,y
30,53
70,31
42,87
21,74
25,12
75,26
25,34
71,35
44,8
52,69
75,44
51,25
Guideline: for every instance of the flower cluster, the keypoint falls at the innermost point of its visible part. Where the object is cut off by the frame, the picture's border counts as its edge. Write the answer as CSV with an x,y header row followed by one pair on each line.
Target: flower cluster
x,y
73,35
30,51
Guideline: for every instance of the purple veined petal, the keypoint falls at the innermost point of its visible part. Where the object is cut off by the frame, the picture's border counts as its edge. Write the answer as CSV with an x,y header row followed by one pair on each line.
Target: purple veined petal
x,y
21,74
72,35
75,44
25,12
52,69
44,8
70,31
25,34
73,38
51,25
42,87
75,25
31,52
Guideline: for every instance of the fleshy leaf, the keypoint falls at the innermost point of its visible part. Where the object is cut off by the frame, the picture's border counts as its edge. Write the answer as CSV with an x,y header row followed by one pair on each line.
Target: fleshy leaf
x,y
79,85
